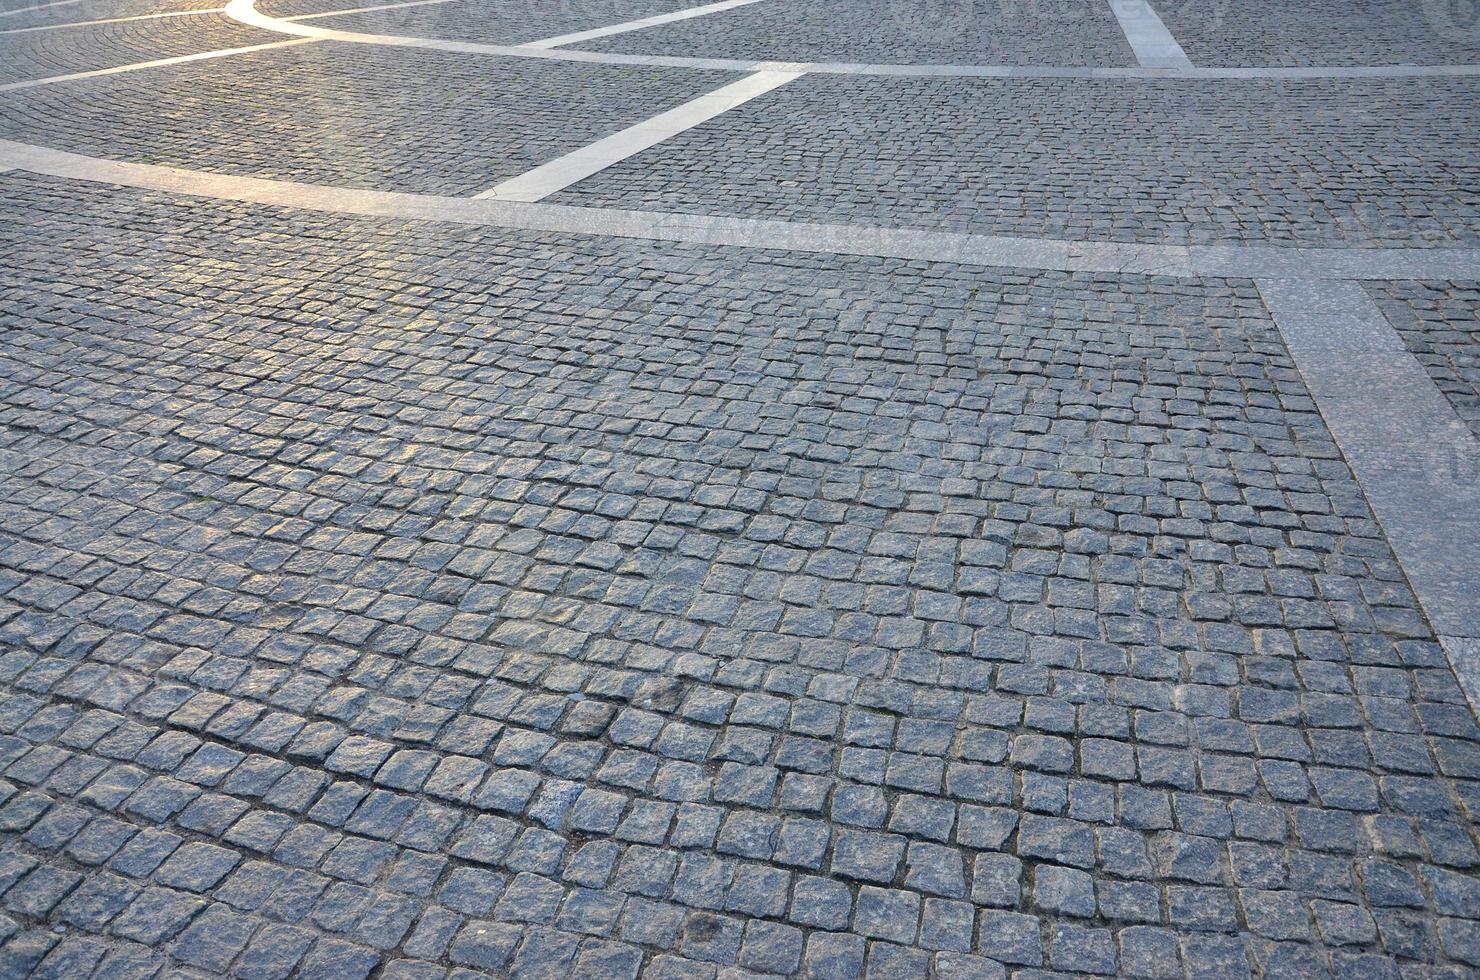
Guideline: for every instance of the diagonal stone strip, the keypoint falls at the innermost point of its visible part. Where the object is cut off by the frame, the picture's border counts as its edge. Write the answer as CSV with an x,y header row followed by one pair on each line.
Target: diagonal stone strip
x,y
638,25
561,172
39,6
212,10
988,250
245,12
162,62
113,20
365,10
199,56
1417,462
1149,38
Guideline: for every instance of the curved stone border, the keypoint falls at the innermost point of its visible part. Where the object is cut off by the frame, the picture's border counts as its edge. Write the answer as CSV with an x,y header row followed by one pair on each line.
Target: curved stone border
x,y
1235,261
246,12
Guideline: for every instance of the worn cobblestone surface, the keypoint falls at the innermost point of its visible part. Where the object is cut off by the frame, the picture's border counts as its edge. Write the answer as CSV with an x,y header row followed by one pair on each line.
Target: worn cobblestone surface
x,y
1323,32
19,13
1440,323
41,54
413,601
1052,32
357,116
379,596
1312,162
484,20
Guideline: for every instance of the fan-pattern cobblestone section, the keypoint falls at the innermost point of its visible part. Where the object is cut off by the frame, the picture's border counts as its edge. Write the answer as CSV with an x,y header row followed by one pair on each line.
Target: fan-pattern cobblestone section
x,y
383,598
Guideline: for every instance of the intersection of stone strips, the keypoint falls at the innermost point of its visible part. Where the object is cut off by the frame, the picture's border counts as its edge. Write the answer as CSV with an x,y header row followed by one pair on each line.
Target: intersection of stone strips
x,y
766,488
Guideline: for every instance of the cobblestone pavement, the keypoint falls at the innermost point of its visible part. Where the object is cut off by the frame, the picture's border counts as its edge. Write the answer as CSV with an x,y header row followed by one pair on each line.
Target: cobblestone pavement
x,y
429,598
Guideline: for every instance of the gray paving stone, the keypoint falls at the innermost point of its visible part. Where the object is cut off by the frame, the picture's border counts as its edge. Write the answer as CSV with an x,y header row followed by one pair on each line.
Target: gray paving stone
x,y
402,598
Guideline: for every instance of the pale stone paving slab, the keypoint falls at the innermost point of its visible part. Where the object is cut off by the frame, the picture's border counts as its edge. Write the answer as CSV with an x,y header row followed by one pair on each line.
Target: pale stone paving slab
x,y
1148,36
1418,463
563,171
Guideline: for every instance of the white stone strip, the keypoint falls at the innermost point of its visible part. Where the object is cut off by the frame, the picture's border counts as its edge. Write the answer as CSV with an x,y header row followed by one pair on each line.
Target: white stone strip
x,y
162,62
1149,38
113,20
212,10
36,7
1417,462
985,250
637,25
364,10
546,179
246,13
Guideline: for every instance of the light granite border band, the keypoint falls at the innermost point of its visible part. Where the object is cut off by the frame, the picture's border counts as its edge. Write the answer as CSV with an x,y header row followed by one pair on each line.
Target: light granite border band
x,y
246,12
1237,261
161,63
557,174
1418,464
212,10
112,20
38,6
199,56
1148,37
638,25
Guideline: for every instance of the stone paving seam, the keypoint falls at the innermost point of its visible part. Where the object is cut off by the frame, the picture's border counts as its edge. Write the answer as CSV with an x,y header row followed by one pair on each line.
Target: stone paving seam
x,y
1023,253
1417,462
118,20
161,63
36,7
565,170
245,11
625,27
1148,36
366,10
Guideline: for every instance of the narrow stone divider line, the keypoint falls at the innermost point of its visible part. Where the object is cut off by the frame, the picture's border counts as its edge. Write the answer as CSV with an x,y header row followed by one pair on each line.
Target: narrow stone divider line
x,y
1417,463
162,62
365,10
1121,258
113,20
35,7
577,165
637,25
245,12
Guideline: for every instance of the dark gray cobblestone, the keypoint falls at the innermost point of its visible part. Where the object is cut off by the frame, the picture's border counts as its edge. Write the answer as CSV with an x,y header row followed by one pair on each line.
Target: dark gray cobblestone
x,y
482,20
969,32
1344,162
41,54
350,115
20,15
380,596
1440,323
1322,32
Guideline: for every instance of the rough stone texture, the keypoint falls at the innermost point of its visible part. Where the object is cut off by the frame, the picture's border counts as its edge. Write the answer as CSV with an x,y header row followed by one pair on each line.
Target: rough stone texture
x,y
963,32
481,20
41,54
414,601
1323,32
350,115
22,13
1440,323
387,596
1311,162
